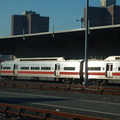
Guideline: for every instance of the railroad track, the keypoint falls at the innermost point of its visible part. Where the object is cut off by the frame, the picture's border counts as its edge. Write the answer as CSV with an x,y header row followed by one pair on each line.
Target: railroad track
x,y
57,87
40,114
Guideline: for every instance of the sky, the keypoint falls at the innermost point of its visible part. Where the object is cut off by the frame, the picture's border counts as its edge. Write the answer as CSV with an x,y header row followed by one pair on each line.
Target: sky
x,y
62,13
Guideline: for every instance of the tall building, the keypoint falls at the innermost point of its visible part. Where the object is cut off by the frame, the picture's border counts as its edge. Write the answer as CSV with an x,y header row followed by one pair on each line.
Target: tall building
x,y
107,14
106,3
29,22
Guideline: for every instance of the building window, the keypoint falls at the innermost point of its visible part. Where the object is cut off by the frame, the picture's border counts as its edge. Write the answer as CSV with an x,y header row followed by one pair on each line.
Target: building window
x,y
69,68
94,68
45,68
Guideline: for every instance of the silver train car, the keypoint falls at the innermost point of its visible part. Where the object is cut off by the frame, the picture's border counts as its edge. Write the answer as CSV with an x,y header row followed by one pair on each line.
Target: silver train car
x,y
107,70
59,69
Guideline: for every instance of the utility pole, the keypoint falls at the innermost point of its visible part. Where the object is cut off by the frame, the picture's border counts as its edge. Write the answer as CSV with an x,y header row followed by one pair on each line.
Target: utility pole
x,y
86,46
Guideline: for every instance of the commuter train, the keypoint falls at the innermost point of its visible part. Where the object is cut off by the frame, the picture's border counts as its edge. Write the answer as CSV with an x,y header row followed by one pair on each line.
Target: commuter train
x,y
107,70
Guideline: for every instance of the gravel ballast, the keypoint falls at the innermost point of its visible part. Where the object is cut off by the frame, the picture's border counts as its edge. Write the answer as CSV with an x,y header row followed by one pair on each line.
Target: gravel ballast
x,y
77,95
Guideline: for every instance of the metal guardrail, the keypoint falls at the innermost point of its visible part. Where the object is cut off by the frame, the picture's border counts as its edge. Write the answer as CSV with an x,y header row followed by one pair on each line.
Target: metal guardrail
x,y
40,114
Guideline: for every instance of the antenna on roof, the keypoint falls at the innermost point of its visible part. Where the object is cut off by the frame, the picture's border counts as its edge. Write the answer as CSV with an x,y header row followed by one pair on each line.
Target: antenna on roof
x,y
23,34
53,32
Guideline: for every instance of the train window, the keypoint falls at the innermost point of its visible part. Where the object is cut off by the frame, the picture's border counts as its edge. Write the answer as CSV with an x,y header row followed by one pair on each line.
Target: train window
x,y
35,68
24,68
117,58
69,68
6,68
45,68
118,68
94,68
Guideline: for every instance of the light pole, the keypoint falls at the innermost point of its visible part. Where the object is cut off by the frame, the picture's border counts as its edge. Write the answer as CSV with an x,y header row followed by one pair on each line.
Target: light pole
x,y
86,46
81,20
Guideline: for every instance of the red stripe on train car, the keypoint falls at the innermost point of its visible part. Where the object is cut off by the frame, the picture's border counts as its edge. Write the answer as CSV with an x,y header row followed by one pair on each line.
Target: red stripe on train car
x,y
34,72
6,71
94,73
116,74
69,73
47,72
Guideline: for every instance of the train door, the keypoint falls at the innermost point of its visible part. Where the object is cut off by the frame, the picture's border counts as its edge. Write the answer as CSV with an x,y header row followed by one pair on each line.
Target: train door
x,y
15,68
81,71
0,68
57,70
109,70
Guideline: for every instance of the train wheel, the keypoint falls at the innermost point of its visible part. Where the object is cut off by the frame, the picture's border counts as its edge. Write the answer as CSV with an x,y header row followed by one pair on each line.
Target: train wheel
x,y
56,79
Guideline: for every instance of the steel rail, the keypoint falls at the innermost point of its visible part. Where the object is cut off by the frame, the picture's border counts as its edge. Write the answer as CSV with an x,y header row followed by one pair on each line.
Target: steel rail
x,y
41,114
63,85
56,87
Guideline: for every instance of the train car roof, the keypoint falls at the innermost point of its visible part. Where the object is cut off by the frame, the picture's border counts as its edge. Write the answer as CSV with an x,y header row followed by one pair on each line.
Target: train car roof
x,y
36,60
41,59
117,58
47,59
110,58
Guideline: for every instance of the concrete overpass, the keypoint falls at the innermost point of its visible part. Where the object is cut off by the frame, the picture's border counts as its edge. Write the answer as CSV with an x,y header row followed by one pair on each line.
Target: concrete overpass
x,y
103,41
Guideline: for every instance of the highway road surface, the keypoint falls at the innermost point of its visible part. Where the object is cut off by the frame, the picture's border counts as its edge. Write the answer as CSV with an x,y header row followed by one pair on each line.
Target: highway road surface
x,y
62,102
